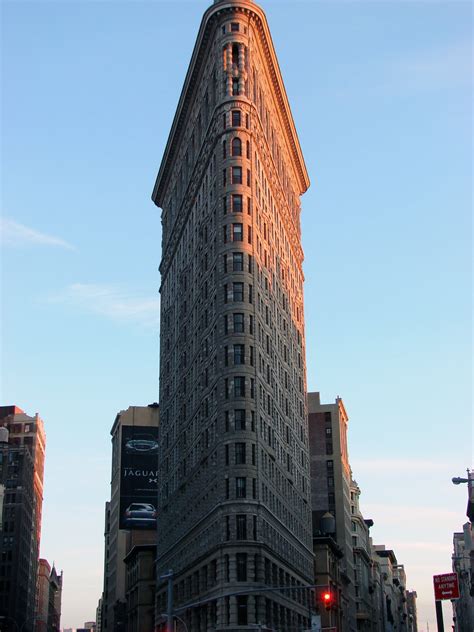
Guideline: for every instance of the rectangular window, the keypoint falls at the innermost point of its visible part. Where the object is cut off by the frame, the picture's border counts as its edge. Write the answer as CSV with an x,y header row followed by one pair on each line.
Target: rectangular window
x,y
226,325
240,453
249,237
238,323
237,175
241,526
234,27
226,454
239,386
248,177
236,118
225,293
237,262
238,292
241,487
239,354
224,204
237,203
237,232
241,567
226,356
250,293
224,176
225,263
242,617
239,418
227,527
254,488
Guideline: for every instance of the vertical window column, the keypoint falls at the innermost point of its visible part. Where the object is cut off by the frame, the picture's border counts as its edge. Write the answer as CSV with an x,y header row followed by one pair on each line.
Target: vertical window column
x,y
228,69
242,73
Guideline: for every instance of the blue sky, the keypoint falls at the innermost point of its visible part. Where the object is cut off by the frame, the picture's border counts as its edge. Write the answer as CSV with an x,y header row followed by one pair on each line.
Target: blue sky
x,y
381,94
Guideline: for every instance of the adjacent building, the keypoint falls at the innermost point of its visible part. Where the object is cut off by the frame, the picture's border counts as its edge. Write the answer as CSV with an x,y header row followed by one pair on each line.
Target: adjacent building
x,y
463,552
48,598
234,501
331,493
361,586
130,515
141,587
22,452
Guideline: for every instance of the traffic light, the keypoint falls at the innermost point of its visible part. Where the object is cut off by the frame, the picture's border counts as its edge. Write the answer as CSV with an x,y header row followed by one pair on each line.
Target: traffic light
x,y
327,600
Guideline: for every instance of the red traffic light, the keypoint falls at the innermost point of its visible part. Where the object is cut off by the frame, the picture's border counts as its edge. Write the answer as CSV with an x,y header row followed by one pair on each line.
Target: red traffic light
x,y
327,600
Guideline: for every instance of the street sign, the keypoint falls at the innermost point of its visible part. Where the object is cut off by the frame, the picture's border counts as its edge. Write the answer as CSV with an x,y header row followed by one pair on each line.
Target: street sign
x,y
315,623
446,586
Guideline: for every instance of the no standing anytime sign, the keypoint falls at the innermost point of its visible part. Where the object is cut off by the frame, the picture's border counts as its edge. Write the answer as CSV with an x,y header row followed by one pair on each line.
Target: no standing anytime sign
x,y
446,586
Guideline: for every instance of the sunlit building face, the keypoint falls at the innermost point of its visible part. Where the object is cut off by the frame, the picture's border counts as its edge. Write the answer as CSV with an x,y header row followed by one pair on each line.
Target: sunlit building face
x,y
234,508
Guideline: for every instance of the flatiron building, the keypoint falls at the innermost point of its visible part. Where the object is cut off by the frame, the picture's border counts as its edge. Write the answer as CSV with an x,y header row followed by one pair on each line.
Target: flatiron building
x,y
234,517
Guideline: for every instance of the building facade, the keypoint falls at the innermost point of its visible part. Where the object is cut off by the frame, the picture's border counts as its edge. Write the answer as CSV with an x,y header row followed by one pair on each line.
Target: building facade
x,y
22,451
140,587
133,436
463,550
234,510
331,492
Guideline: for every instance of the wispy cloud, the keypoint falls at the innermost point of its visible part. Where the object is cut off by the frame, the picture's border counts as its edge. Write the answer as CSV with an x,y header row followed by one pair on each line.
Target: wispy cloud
x,y
403,466
15,234
384,512
112,301
433,68
434,547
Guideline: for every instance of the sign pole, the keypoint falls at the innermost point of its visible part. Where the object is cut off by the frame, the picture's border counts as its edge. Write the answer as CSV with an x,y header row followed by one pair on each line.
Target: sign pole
x,y
439,615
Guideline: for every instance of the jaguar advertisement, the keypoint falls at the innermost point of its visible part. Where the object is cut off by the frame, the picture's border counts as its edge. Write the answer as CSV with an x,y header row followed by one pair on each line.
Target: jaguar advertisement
x,y
138,477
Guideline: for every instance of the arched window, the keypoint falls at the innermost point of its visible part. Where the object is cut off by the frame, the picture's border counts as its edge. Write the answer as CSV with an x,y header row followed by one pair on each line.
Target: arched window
x,y
236,147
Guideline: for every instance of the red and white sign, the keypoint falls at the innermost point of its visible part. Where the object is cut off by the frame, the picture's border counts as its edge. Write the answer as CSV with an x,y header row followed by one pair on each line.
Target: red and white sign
x,y
446,586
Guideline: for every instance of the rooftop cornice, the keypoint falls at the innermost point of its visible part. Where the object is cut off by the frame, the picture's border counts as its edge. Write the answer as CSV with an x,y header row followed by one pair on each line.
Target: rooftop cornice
x,y
195,65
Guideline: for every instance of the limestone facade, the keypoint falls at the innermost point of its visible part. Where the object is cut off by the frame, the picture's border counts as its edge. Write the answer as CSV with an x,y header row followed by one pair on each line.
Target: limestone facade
x,y
234,505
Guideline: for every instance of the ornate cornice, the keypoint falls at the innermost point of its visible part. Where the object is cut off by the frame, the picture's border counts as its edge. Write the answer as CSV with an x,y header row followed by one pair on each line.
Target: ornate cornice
x,y
198,57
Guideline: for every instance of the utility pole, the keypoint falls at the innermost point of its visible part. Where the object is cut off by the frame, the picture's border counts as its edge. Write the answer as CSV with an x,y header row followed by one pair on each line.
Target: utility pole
x,y
169,604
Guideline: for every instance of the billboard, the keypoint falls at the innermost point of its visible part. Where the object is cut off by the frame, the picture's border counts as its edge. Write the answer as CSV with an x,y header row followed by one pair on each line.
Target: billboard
x,y
138,477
